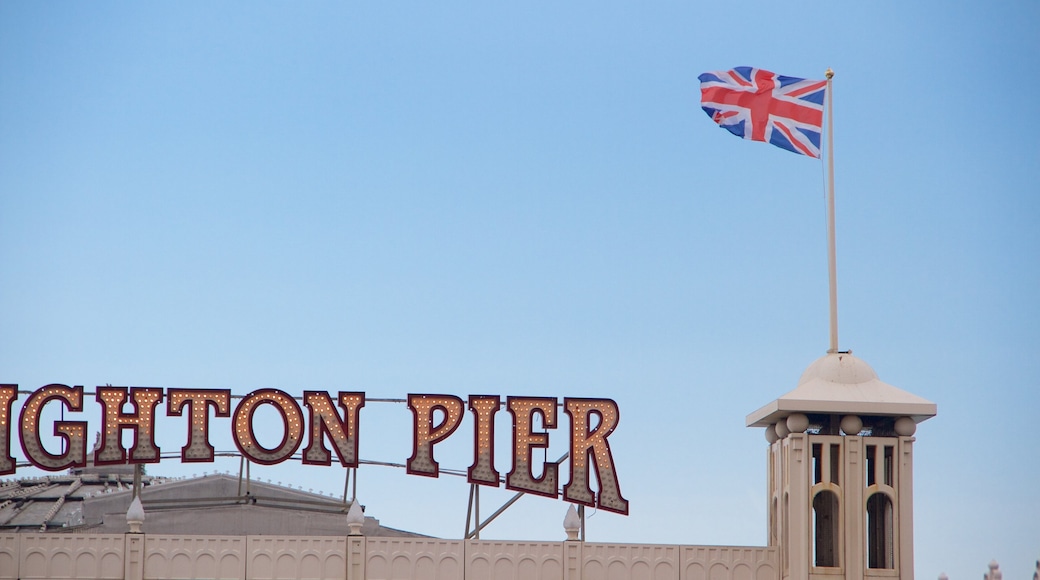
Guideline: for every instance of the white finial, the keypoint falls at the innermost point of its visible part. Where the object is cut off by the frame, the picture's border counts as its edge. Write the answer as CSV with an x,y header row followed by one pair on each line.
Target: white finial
x,y
572,523
355,518
994,571
135,515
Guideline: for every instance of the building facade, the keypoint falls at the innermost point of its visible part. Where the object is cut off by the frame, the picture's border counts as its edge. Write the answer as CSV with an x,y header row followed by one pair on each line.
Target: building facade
x,y
839,503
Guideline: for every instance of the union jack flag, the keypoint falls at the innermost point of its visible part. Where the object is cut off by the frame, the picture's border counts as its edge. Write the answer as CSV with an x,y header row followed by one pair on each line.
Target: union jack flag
x,y
762,106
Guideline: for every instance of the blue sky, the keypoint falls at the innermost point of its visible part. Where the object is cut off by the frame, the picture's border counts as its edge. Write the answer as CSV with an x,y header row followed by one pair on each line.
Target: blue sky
x,y
469,198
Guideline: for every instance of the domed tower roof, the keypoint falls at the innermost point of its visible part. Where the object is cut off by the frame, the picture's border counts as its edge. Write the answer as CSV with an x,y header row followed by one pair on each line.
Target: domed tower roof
x,y
839,383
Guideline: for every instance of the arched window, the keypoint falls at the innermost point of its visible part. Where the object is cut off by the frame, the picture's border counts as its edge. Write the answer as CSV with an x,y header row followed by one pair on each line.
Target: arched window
x,y
880,538
786,539
826,532
773,533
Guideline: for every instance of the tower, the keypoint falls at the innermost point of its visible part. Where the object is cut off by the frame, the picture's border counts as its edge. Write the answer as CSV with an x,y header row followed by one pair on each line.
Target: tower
x,y
841,473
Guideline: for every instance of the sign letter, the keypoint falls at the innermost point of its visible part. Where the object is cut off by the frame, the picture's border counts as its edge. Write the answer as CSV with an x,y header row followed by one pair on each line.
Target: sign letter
x,y
74,433
292,424
483,469
8,393
325,421
199,402
525,441
587,442
425,434
142,421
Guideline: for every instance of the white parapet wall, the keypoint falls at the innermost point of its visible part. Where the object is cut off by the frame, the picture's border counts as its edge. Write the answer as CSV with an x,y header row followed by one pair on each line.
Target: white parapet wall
x,y
160,557
42,556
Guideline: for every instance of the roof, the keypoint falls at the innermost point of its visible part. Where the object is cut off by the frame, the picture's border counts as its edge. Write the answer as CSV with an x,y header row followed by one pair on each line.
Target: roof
x,y
217,504
839,383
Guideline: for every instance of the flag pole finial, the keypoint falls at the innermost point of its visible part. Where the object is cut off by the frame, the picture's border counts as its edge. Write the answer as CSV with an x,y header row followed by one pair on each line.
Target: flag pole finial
x,y
829,73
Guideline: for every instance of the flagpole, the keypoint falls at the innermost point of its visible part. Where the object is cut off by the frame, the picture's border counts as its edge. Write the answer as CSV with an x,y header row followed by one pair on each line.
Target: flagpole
x,y
831,252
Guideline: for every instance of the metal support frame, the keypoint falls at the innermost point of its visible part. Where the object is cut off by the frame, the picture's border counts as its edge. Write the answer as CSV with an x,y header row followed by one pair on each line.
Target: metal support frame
x,y
138,471
346,485
474,509
243,466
